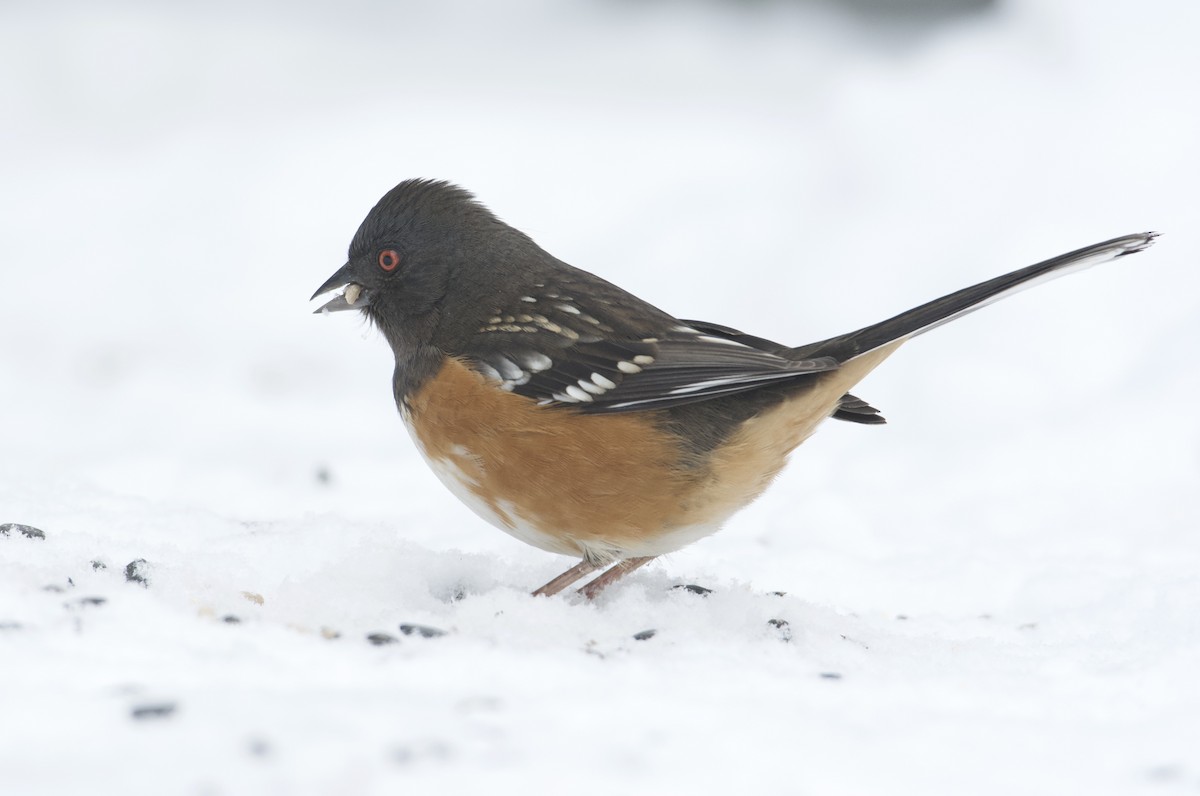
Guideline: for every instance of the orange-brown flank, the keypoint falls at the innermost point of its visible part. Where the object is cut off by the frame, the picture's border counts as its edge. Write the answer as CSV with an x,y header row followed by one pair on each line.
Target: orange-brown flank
x,y
604,486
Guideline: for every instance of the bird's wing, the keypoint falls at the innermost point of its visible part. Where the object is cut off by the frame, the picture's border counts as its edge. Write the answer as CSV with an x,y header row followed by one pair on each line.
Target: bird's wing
x,y
593,352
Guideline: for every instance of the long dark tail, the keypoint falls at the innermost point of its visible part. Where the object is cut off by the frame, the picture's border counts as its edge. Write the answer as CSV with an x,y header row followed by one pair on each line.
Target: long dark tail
x,y
928,316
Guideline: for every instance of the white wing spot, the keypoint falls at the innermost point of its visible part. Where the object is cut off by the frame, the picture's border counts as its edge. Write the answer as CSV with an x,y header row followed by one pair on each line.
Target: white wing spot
x,y
508,369
600,381
537,362
588,387
568,308
643,359
578,394
628,367
529,299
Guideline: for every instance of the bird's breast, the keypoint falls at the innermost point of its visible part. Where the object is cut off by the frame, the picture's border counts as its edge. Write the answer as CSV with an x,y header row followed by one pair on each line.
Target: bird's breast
x,y
599,486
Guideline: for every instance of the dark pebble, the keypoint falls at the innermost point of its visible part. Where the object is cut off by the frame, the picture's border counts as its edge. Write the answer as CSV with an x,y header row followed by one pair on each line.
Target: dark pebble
x,y
694,589
379,639
138,571
28,531
830,676
779,594
778,622
99,565
424,631
159,711
92,600
230,619
323,475
644,635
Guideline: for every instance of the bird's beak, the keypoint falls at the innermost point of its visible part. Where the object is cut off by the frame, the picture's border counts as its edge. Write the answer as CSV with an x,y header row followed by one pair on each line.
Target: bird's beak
x,y
354,297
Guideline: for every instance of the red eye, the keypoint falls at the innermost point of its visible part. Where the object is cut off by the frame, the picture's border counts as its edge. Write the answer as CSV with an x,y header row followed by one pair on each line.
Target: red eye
x,y
389,259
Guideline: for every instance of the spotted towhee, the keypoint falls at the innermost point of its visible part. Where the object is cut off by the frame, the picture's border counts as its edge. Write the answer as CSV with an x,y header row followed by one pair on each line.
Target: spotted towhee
x,y
581,419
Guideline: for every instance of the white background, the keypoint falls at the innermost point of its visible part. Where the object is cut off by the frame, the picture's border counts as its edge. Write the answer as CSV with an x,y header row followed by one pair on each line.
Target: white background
x,y
1004,578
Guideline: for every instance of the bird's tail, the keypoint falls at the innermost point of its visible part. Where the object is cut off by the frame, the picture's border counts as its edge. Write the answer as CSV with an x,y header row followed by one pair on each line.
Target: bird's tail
x,y
928,316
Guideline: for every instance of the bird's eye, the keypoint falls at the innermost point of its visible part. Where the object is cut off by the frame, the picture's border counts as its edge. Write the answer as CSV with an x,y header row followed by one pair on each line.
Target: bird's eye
x,y
389,259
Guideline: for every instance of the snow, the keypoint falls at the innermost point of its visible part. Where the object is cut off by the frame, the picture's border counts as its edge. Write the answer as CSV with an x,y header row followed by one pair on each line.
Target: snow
x,y
995,593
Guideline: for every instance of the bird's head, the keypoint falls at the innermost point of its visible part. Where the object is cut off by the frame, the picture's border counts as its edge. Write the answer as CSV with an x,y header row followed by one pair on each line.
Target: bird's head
x,y
406,249
429,264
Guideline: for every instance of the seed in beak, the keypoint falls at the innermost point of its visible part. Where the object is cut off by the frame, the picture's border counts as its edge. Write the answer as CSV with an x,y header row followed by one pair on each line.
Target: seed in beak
x,y
352,292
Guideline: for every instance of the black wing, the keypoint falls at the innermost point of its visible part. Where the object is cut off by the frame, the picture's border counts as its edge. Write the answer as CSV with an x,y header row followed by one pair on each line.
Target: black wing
x,y
610,352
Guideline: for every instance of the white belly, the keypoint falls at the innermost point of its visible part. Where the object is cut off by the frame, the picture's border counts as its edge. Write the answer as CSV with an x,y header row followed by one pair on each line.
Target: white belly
x,y
461,473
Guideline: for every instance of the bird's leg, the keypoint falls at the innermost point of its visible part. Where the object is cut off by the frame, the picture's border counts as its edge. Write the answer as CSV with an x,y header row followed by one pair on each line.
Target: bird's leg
x,y
613,574
564,580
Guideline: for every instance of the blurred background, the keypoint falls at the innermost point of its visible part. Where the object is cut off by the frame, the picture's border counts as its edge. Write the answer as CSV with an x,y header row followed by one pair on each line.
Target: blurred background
x,y
178,178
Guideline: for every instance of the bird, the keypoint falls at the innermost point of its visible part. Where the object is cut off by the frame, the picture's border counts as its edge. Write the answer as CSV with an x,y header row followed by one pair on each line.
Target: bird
x,y
581,419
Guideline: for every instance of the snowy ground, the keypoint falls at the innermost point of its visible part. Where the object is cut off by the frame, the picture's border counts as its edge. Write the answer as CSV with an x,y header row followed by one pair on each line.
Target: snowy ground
x,y
996,593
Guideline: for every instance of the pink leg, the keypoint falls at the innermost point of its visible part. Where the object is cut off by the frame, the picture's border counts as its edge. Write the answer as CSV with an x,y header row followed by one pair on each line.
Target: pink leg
x,y
613,574
564,580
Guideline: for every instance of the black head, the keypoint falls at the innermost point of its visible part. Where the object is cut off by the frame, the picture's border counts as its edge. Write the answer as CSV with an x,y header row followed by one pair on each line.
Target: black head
x,y
421,236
